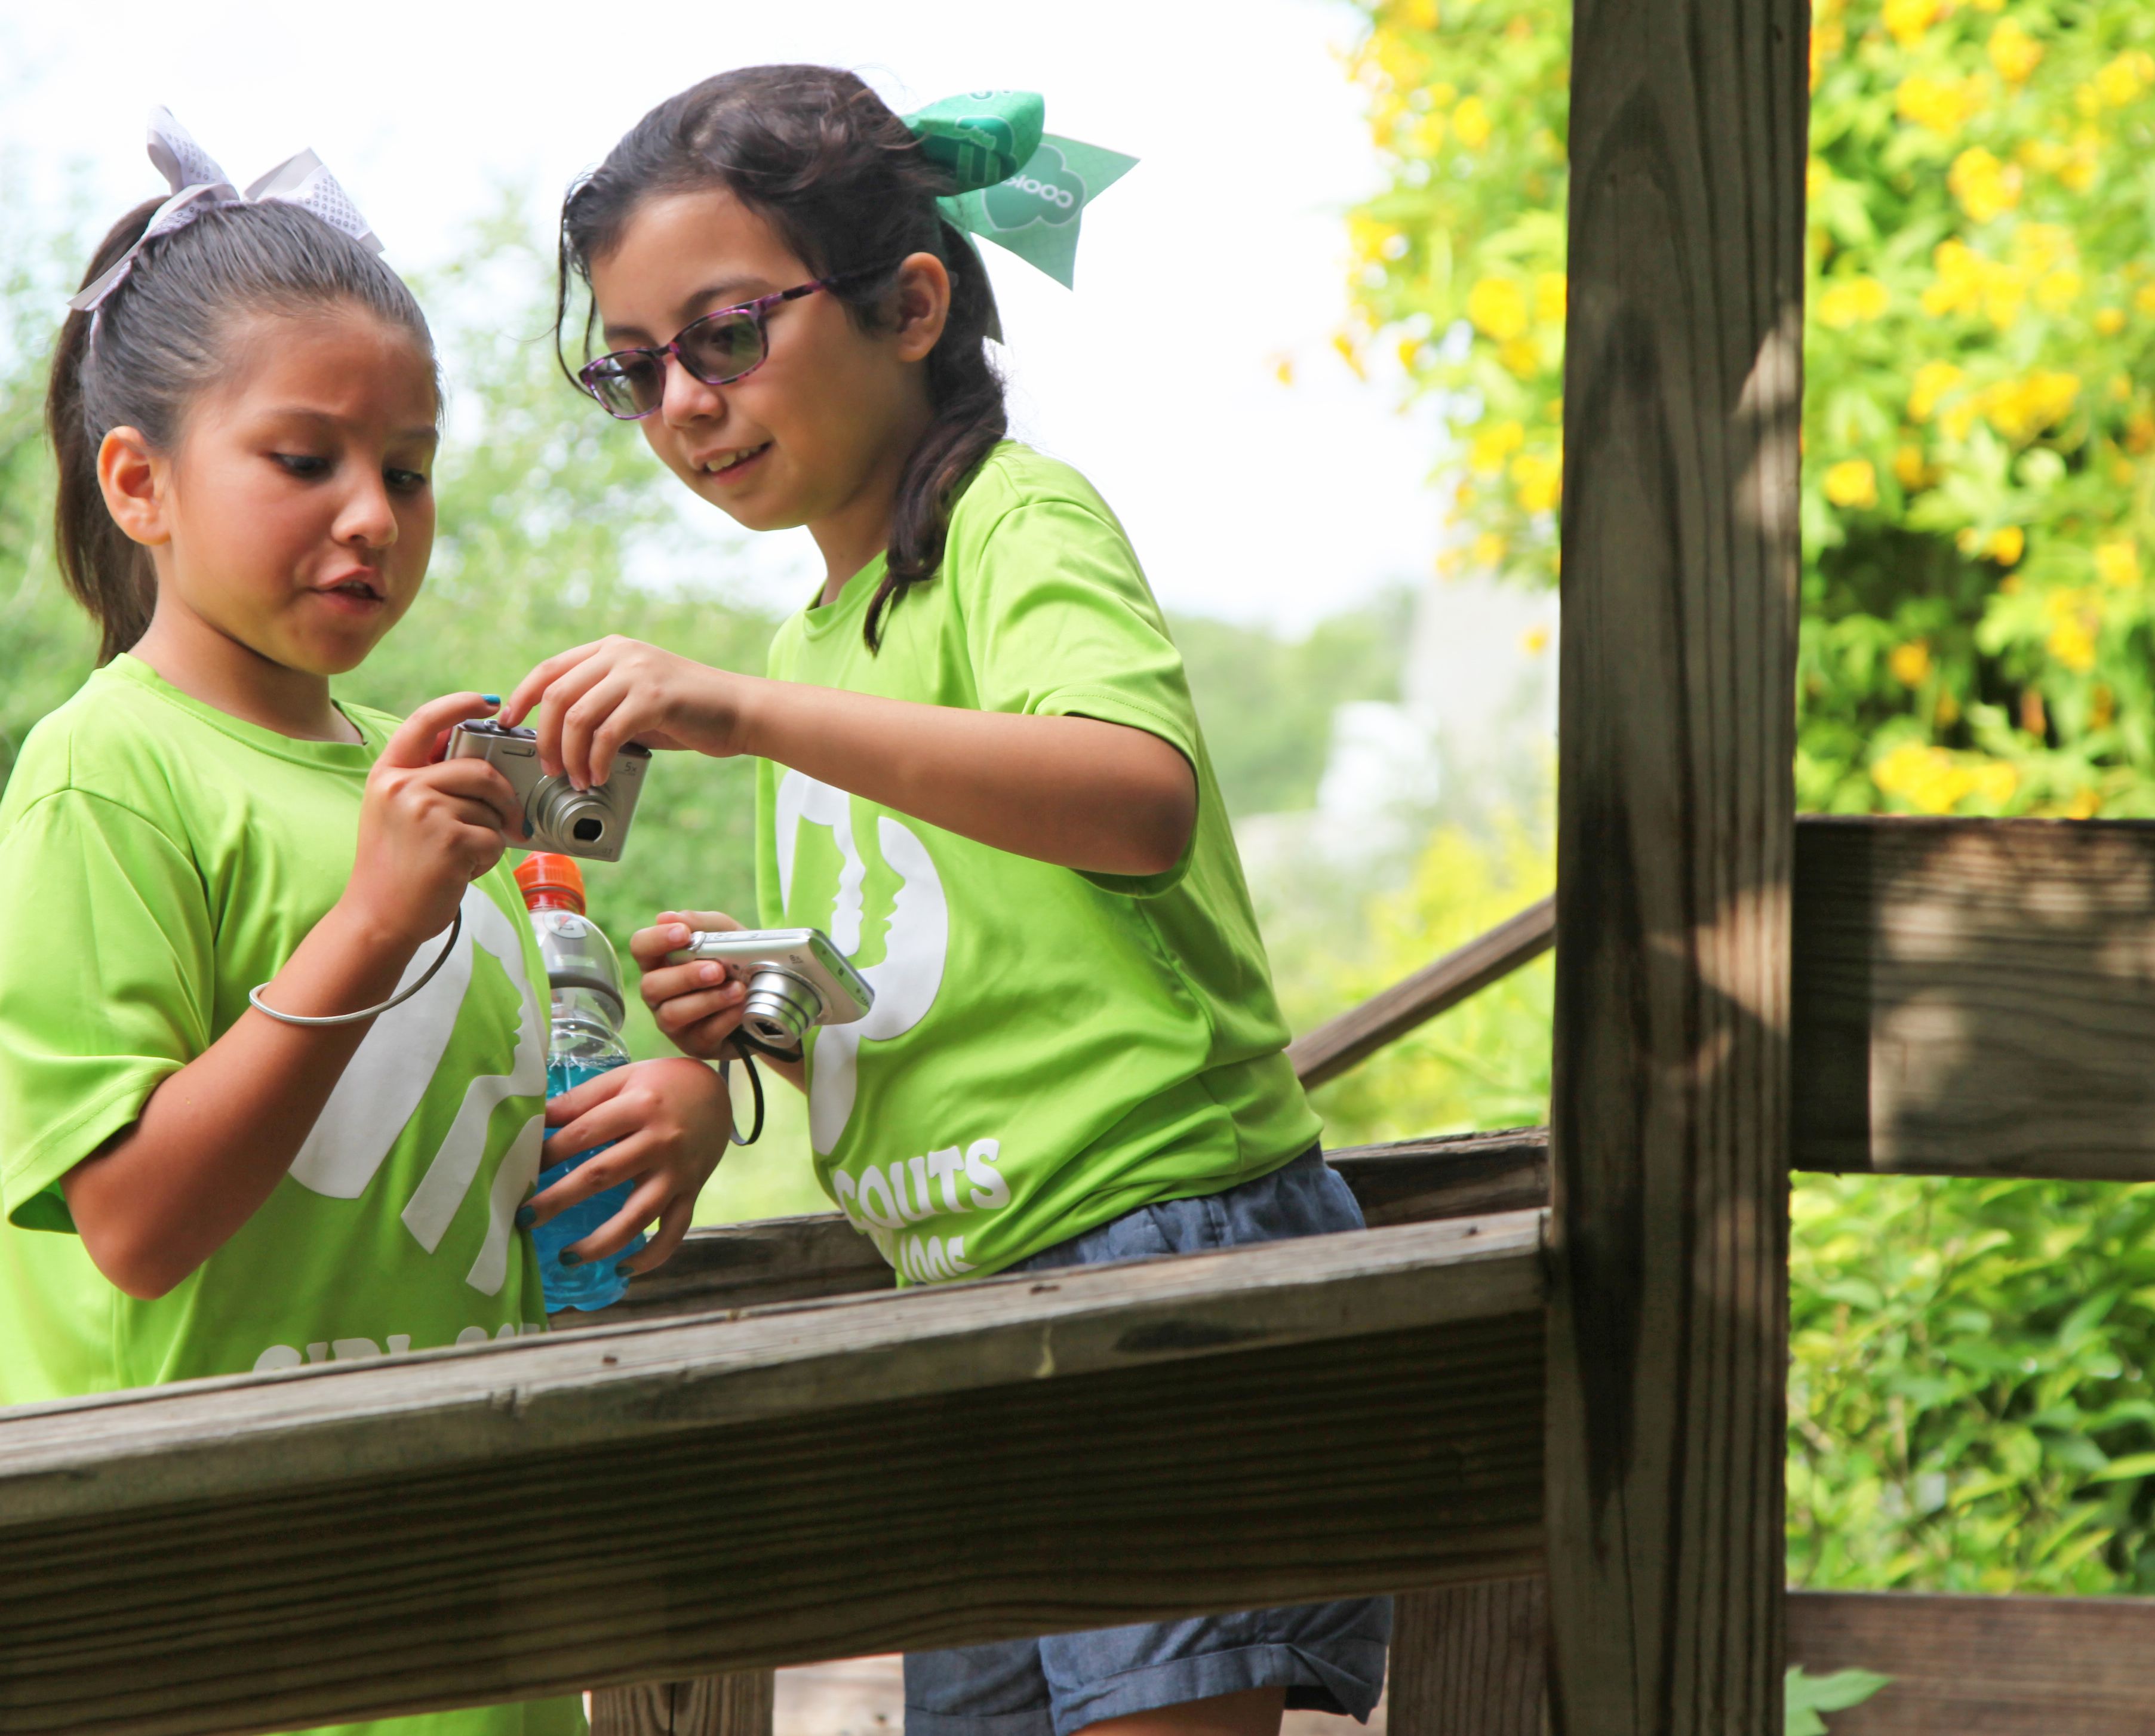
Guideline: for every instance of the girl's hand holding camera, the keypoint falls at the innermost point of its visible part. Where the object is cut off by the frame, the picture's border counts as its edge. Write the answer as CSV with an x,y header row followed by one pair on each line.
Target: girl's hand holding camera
x,y
427,828
697,1005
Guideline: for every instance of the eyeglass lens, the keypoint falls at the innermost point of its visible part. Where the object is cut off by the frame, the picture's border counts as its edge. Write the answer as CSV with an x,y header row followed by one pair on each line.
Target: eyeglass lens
x,y
716,350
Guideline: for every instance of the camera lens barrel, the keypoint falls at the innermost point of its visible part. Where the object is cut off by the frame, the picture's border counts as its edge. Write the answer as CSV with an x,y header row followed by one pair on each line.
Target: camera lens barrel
x,y
561,811
781,1007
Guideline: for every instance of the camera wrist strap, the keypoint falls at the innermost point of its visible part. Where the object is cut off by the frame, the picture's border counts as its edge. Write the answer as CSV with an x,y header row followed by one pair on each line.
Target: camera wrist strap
x,y
456,927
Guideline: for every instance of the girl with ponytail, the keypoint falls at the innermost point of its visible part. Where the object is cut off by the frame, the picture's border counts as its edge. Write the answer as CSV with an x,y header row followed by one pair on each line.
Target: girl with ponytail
x,y
979,774
272,1060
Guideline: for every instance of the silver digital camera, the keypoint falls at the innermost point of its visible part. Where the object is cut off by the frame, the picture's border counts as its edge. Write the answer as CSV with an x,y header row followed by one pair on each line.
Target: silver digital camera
x,y
797,979
592,823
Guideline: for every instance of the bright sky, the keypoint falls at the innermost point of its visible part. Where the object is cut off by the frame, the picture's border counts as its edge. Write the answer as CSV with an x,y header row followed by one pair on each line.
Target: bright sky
x,y
1221,253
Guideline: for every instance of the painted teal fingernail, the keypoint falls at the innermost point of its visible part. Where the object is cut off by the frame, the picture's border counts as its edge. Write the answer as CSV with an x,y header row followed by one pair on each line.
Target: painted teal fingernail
x,y
525,1218
491,698
570,1257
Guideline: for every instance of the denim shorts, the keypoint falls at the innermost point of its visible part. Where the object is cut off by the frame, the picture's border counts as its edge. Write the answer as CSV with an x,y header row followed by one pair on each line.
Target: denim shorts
x,y
1328,1657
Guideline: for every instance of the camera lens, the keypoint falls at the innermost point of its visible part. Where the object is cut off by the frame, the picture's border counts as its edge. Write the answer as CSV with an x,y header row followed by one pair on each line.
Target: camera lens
x,y
780,1006
568,817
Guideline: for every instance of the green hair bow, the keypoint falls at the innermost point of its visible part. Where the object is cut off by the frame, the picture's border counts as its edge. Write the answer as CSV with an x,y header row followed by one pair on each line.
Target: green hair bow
x,y
1019,187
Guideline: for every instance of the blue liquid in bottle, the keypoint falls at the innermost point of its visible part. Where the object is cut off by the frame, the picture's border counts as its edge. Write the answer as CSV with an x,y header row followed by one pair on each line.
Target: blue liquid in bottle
x,y
597,1284
585,1041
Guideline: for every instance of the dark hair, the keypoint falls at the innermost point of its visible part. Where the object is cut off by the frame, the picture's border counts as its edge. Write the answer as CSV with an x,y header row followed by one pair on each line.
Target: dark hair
x,y
143,357
848,189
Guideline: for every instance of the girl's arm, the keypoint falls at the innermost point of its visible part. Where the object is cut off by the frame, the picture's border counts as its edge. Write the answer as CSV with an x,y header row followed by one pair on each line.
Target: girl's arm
x,y
172,1188
1100,797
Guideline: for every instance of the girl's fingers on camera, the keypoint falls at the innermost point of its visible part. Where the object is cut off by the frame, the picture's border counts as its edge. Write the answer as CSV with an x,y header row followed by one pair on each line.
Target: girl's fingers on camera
x,y
475,783
533,687
600,719
674,929
683,1010
412,744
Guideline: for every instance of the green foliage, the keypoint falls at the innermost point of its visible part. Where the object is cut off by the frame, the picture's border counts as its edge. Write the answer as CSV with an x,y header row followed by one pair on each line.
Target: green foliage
x,y
1267,702
1973,1387
1805,1696
1978,491
1485,1063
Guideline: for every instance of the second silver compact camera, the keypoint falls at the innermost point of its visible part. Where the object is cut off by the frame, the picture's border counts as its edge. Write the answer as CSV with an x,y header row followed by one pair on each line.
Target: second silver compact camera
x,y
797,979
592,823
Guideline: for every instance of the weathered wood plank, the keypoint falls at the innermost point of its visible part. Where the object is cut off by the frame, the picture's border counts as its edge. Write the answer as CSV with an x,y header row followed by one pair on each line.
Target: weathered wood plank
x,y
1984,1666
1339,1044
655,1503
1669,1123
1469,1660
1976,997
741,1704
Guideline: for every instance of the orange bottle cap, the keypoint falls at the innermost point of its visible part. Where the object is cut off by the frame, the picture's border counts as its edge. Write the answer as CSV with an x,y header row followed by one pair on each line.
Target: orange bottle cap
x,y
551,882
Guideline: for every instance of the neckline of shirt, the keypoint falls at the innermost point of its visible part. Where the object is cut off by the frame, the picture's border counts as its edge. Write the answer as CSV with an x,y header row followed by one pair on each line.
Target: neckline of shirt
x,y
357,756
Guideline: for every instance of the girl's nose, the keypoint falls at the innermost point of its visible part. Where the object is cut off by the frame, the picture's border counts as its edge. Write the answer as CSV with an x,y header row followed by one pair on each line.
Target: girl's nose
x,y
688,399
369,518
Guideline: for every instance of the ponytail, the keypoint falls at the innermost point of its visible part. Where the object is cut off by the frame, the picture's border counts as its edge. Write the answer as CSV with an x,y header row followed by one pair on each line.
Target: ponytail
x,y
850,191
158,341
106,572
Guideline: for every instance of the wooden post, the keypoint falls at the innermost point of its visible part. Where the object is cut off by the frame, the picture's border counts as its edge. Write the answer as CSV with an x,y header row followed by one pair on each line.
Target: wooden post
x,y
1669,1129
736,1705
1469,1660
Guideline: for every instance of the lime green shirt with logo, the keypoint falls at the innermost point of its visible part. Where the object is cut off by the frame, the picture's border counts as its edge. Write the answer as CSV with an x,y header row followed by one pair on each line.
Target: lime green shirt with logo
x,y
1048,1050
158,859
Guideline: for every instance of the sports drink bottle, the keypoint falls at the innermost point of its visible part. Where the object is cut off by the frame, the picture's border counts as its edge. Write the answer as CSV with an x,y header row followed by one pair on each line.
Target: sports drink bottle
x,y
584,978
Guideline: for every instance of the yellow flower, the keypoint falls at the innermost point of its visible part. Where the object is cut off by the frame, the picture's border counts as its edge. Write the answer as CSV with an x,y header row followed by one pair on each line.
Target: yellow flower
x,y
1418,14
2079,170
2110,321
1497,307
1539,480
1851,483
1470,120
2143,298
2119,82
1816,179
1283,369
1496,443
2139,431
1427,137
1488,550
1551,295
1520,356
2059,290
2117,564
2013,51
2021,409
1986,188
2007,545
2121,388
1827,40
1910,663
1350,352
1908,19
1933,381
1852,300
1943,105
2045,155
1534,640
2072,643
2084,804
1909,469
1933,781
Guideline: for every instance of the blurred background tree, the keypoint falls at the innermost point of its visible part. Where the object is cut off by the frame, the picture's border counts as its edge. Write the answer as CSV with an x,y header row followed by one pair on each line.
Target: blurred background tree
x,y
1971,1404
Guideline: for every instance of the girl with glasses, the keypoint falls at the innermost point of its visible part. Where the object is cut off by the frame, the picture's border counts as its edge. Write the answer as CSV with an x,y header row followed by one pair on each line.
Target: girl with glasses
x,y
980,772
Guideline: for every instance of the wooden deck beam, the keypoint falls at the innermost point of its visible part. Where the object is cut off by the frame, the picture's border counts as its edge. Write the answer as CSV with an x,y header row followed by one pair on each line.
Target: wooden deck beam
x,y
653,1502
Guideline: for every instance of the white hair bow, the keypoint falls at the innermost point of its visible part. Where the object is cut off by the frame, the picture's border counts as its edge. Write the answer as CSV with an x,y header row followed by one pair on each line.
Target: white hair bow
x,y
198,185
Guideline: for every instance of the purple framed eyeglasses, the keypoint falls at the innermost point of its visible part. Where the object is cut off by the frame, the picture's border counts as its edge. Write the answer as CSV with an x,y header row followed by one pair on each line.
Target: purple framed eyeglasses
x,y
718,348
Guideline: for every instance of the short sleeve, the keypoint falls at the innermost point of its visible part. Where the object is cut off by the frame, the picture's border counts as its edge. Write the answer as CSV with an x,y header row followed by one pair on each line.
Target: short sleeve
x,y
1059,622
106,962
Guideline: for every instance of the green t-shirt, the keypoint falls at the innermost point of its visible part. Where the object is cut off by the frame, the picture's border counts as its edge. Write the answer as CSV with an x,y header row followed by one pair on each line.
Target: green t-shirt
x,y
1048,1050
158,859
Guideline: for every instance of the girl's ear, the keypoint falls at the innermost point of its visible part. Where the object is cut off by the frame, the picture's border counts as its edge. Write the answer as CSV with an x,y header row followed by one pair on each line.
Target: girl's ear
x,y
132,475
920,305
